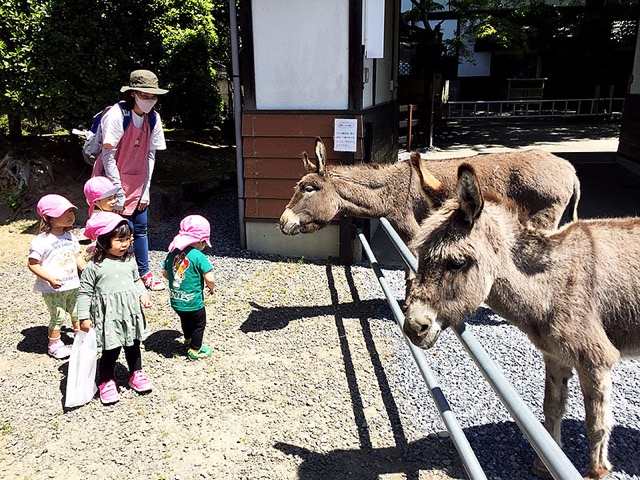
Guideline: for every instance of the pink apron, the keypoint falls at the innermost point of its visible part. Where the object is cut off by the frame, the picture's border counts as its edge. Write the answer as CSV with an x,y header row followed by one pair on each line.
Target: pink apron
x,y
132,162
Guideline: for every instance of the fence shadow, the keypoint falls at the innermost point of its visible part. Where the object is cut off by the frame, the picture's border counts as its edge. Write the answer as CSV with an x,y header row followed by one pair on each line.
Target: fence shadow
x,y
434,453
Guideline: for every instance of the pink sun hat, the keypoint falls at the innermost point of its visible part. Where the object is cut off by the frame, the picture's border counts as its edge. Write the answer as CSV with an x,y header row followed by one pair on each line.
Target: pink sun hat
x,y
53,205
97,188
193,229
101,223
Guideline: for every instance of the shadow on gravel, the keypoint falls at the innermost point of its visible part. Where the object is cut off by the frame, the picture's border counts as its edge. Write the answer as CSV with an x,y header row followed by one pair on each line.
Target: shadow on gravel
x,y
370,463
35,339
165,343
502,451
276,318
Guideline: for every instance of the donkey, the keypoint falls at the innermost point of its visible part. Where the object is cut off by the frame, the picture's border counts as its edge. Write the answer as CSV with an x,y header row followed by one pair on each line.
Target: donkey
x,y
542,183
575,292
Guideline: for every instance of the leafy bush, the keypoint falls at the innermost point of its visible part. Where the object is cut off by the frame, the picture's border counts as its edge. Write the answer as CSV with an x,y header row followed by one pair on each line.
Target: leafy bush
x,y
63,61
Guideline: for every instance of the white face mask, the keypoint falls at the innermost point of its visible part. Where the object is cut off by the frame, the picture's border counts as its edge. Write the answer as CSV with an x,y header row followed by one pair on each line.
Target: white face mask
x,y
145,105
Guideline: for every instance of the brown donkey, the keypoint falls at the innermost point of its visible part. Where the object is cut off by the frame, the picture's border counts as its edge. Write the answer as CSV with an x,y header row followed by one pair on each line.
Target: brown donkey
x,y
540,182
575,292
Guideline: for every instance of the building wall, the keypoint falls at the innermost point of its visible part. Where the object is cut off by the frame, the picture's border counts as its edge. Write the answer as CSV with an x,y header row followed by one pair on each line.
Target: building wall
x,y
302,67
629,144
292,71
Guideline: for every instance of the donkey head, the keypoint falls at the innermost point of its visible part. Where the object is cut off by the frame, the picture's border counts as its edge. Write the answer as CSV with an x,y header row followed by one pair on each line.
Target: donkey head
x,y
315,202
454,275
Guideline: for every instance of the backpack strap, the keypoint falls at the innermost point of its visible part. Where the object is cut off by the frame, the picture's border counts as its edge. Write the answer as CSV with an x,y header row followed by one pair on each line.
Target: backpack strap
x,y
126,115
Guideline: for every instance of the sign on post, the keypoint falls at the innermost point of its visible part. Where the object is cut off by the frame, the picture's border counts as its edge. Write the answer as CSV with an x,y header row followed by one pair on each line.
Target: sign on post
x,y
345,134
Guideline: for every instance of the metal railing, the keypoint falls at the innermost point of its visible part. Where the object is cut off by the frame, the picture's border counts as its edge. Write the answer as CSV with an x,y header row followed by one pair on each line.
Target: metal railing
x,y
566,107
551,454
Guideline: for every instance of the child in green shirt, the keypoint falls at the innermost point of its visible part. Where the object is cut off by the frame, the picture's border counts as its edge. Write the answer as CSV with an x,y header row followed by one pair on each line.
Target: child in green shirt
x,y
188,271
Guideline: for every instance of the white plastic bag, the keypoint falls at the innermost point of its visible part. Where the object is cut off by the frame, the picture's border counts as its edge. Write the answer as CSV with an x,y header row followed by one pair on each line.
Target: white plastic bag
x,y
81,378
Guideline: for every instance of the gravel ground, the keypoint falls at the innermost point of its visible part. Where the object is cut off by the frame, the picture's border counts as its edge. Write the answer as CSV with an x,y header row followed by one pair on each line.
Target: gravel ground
x,y
310,379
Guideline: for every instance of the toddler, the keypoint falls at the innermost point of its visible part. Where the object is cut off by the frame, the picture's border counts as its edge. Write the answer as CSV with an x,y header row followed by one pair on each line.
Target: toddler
x,y
188,270
54,258
110,299
100,193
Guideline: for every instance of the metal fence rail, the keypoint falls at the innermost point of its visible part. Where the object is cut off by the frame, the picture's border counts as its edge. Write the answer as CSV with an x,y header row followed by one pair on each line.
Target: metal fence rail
x,y
551,454
566,107
469,459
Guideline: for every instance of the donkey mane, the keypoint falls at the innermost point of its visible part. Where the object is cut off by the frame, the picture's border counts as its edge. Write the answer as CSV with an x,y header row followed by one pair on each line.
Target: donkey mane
x,y
360,174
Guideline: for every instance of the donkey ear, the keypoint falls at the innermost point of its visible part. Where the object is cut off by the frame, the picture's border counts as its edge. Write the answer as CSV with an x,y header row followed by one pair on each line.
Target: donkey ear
x,y
434,192
321,155
308,165
468,193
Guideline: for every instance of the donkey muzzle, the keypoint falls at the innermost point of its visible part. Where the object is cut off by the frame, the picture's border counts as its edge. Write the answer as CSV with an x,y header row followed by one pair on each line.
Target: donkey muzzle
x,y
421,326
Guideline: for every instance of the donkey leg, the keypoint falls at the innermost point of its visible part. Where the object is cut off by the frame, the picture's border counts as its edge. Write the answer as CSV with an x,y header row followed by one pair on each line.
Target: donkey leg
x,y
596,389
556,392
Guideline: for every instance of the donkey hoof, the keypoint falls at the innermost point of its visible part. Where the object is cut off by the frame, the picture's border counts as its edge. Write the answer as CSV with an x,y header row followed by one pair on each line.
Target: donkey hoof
x,y
539,469
598,472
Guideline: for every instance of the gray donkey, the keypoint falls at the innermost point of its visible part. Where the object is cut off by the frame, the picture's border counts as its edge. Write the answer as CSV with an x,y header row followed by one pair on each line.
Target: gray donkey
x,y
540,182
575,292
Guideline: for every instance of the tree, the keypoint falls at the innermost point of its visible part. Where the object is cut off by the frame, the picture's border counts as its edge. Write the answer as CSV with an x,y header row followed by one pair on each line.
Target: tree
x,y
20,25
69,58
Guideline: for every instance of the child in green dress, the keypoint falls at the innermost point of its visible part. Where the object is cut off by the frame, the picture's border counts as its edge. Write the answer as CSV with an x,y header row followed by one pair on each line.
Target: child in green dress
x,y
110,298
188,271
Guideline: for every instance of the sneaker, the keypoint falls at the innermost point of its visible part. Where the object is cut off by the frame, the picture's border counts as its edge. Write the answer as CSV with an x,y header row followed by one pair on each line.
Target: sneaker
x,y
139,382
58,350
151,282
108,392
204,352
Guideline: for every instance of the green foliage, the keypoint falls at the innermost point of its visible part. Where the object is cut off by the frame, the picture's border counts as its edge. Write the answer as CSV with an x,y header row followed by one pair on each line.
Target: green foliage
x,y
21,22
14,196
188,31
64,60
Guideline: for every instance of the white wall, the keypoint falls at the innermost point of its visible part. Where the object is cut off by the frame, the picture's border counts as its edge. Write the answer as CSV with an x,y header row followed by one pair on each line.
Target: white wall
x,y
267,238
301,53
382,68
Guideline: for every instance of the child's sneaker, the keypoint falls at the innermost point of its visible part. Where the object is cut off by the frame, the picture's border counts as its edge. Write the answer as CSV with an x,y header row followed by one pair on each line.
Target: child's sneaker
x,y
140,382
151,282
204,352
108,392
58,350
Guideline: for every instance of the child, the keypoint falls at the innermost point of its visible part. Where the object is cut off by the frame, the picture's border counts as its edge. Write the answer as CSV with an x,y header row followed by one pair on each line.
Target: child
x,y
54,257
100,193
110,296
188,270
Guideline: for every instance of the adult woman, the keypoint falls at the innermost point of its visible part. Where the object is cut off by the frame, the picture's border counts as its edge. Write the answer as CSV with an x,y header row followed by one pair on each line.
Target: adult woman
x,y
128,157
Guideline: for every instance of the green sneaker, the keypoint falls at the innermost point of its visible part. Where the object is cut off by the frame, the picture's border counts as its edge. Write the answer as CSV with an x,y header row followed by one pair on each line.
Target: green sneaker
x,y
204,352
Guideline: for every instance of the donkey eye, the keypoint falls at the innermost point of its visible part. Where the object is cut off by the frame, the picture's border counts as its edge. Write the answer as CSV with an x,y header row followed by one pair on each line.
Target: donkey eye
x,y
454,265
309,188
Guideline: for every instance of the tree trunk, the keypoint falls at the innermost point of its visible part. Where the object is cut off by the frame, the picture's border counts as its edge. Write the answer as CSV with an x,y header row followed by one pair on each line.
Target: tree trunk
x,y
15,125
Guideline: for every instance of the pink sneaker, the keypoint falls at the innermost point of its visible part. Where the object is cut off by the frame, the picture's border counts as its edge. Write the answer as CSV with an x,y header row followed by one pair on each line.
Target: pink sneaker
x,y
58,350
108,392
139,382
151,282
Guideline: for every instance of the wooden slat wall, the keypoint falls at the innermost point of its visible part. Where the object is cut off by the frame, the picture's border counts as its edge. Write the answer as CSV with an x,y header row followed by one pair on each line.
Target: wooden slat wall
x,y
629,144
273,143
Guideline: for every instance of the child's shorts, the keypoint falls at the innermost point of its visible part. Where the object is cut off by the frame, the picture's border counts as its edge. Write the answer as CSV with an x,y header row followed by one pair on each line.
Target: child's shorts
x,y
59,305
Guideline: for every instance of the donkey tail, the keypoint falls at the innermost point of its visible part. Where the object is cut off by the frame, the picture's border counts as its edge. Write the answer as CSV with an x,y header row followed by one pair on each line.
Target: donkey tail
x,y
575,197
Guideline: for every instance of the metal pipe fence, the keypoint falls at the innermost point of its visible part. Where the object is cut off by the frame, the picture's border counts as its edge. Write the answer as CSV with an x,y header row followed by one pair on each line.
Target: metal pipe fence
x,y
510,109
549,451
469,459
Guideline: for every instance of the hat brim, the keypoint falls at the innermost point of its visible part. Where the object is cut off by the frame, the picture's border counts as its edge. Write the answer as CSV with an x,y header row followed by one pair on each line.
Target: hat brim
x,y
155,91
108,193
58,211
